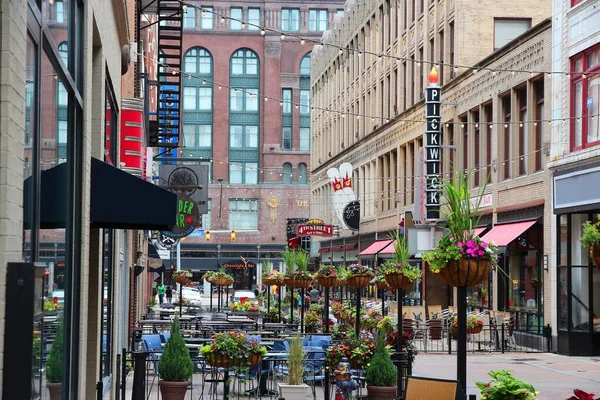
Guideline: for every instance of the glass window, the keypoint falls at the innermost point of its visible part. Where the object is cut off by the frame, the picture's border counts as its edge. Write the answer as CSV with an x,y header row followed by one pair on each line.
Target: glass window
x,y
339,11
235,172
63,50
252,136
286,97
236,100
205,98
63,96
305,65
197,136
585,94
59,9
251,99
287,173
236,19
236,136
207,18
189,18
304,139
579,254
207,218
290,19
251,173
62,139
189,136
189,62
205,136
302,173
305,102
253,19
243,214
197,60
243,173
580,299
286,138
189,98
244,63
317,20
506,30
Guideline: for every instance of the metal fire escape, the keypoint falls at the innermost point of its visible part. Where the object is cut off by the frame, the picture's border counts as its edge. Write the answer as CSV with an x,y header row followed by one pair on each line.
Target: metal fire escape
x,y
165,131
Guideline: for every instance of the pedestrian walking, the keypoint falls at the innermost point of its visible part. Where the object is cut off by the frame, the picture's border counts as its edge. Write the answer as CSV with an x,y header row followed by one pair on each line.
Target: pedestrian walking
x,y
169,294
161,292
314,295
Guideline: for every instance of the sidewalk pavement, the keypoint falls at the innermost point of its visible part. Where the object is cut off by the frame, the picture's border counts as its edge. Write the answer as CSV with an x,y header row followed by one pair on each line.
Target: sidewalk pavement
x,y
554,376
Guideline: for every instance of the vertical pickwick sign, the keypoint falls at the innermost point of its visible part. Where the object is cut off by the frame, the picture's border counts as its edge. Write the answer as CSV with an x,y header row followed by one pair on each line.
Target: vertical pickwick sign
x,y
433,142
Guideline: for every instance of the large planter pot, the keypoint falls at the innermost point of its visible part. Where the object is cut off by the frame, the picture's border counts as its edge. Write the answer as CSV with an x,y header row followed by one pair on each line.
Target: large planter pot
x,y
397,281
173,390
359,281
381,392
327,281
595,255
292,392
466,272
55,390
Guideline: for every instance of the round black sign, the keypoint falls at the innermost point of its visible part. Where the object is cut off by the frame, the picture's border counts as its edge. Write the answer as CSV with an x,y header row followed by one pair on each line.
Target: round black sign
x,y
352,215
187,218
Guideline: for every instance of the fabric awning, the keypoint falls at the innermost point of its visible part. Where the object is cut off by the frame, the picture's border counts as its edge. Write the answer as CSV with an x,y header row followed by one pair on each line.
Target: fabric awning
x,y
479,231
324,250
118,200
389,250
503,234
347,247
335,248
155,263
374,248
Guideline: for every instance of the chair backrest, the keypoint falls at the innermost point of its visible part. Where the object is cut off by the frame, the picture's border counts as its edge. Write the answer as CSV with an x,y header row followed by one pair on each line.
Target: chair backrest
x,y
153,342
418,388
434,310
418,313
164,337
436,327
279,346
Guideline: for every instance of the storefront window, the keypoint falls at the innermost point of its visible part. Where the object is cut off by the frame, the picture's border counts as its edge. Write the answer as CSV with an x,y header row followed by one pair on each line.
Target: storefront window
x,y
523,280
580,299
478,297
563,298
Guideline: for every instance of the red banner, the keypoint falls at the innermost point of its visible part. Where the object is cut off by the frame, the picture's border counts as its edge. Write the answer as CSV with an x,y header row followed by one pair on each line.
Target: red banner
x,y
315,230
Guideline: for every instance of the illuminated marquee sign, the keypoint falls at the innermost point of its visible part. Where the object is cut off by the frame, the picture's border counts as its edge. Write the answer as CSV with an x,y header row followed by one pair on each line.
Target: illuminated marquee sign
x,y
433,151
237,264
315,227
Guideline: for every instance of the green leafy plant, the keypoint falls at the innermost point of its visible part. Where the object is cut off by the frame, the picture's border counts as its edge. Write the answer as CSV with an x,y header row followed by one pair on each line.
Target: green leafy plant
x,y
152,301
326,270
591,233
381,370
235,345
54,362
296,362
175,364
267,268
412,272
504,386
289,258
302,258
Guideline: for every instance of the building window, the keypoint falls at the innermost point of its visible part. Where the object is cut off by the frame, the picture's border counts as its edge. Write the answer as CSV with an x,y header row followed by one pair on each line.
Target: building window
x,y
585,95
305,102
206,22
290,19
506,30
317,20
243,100
304,137
505,101
286,138
244,62
241,136
243,172
538,88
286,99
236,19
287,173
339,11
63,51
207,218
59,9
197,136
189,18
62,139
189,98
198,61
522,138
243,214
302,171
305,65
253,19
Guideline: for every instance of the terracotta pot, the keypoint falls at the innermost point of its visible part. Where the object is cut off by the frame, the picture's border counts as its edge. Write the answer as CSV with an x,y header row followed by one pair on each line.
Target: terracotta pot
x,y
474,331
397,281
55,390
466,272
381,392
173,390
327,281
254,359
359,281
595,255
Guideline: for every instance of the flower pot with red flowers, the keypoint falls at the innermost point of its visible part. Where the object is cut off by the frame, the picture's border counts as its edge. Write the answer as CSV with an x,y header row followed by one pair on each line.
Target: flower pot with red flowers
x,y
175,367
335,353
182,277
361,347
232,350
326,276
474,325
461,258
358,276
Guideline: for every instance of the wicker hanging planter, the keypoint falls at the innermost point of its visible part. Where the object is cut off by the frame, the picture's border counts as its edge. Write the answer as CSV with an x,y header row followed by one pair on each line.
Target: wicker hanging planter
x,y
359,281
397,281
254,359
219,360
341,282
381,285
300,282
595,254
182,280
466,272
327,281
269,281
475,330
354,363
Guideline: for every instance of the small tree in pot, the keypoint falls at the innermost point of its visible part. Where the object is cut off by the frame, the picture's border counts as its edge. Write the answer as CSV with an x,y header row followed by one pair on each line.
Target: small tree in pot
x,y
381,375
295,389
54,365
175,366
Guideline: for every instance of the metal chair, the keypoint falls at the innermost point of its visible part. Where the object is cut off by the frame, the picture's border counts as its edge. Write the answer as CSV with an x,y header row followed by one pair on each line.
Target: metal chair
x,y
420,388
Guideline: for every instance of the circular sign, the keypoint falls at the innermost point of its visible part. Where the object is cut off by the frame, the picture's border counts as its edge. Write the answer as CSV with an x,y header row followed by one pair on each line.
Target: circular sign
x,y
166,241
187,218
352,215
183,180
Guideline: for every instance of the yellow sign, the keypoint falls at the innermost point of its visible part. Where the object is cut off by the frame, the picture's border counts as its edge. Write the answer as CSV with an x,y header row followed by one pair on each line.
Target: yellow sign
x,y
315,222
301,203
273,204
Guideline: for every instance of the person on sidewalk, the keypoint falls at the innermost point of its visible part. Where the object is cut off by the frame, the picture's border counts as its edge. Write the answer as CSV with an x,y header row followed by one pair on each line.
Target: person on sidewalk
x,y
161,292
169,294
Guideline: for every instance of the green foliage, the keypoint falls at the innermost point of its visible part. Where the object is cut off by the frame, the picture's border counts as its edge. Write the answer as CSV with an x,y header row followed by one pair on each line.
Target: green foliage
x,y
401,250
289,258
267,267
175,364
54,362
152,301
504,386
591,233
445,251
460,215
381,370
302,258
412,272
296,362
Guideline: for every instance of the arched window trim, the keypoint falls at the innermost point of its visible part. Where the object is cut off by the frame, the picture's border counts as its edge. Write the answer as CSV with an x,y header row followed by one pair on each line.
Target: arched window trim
x,y
302,173
245,57
198,50
287,173
304,60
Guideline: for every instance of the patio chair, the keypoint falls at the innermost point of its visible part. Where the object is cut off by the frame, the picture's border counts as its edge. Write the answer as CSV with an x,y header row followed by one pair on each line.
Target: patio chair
x,y
313,372
434,311
436,331
164,337
420,388
153,345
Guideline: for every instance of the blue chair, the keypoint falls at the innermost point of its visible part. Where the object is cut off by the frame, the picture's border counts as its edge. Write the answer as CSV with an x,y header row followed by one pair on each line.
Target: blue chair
x,y
153,345
164,337
314,371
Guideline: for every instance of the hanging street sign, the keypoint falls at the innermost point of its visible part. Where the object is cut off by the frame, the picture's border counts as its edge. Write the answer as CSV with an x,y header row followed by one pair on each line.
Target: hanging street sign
x,y
186,219
315,227
433,149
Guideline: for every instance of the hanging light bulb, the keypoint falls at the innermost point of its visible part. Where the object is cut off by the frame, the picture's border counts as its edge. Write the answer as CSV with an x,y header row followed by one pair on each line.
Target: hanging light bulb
x,y
282,36
302,42
262,32
243,25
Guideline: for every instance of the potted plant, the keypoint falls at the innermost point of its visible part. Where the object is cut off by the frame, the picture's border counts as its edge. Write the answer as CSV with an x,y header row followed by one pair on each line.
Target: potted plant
x,y
175,367
381,375
474,325
182,277
245,306
461,258
54,364
408,344
362,348
326,276
380,282
335,353
591,239
312,322
398,272
227,350
504,386
255,352
385,324
295,389
300,277
359,276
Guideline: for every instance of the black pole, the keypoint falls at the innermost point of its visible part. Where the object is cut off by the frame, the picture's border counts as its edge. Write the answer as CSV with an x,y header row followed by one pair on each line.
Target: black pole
x,y
400,340
357,312
227,296
279,301
461,348
268,303
326,313
292,306
302,311
211,296
180,298
383,302
139,376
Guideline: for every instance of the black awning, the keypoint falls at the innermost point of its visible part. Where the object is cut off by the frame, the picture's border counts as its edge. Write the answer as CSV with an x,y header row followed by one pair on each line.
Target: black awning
x,y
152,253
118,200
155,263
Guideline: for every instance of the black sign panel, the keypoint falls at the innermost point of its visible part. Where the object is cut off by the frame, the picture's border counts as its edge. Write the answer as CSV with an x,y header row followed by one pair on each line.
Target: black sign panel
x,y
433,151
352,215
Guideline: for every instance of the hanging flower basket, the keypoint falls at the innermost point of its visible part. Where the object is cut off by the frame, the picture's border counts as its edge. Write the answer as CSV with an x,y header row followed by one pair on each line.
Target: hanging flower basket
x,y
359,281
254,359
595,254
327,281
397,281
300,282
354,363
381,285
341,282
466,272
219,360
269,281
475,330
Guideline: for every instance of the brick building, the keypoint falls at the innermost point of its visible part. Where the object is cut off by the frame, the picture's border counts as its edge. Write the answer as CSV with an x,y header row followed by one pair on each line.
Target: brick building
x,y
368,89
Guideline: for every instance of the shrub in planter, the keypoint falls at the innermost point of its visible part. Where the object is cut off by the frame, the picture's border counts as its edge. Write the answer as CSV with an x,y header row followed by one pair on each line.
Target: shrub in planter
x,y
381,375
175,366
54,364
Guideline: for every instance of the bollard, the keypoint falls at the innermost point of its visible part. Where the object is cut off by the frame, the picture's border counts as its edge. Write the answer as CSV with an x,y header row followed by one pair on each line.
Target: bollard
x,y
503,338
139,376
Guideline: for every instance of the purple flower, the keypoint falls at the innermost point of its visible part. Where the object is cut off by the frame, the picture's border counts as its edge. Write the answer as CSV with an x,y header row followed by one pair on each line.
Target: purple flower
x,y
460,244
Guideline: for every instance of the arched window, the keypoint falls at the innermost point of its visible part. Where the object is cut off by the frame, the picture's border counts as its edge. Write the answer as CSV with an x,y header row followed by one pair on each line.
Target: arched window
x,y
304,125
305,65
287,173
63,50
244,62
302,178
198,61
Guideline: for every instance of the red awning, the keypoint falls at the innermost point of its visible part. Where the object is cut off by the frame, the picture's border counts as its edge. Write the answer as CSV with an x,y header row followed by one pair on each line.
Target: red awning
x,y
324,250
478,231
502,235
391,249
349,246
375,248
336,248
